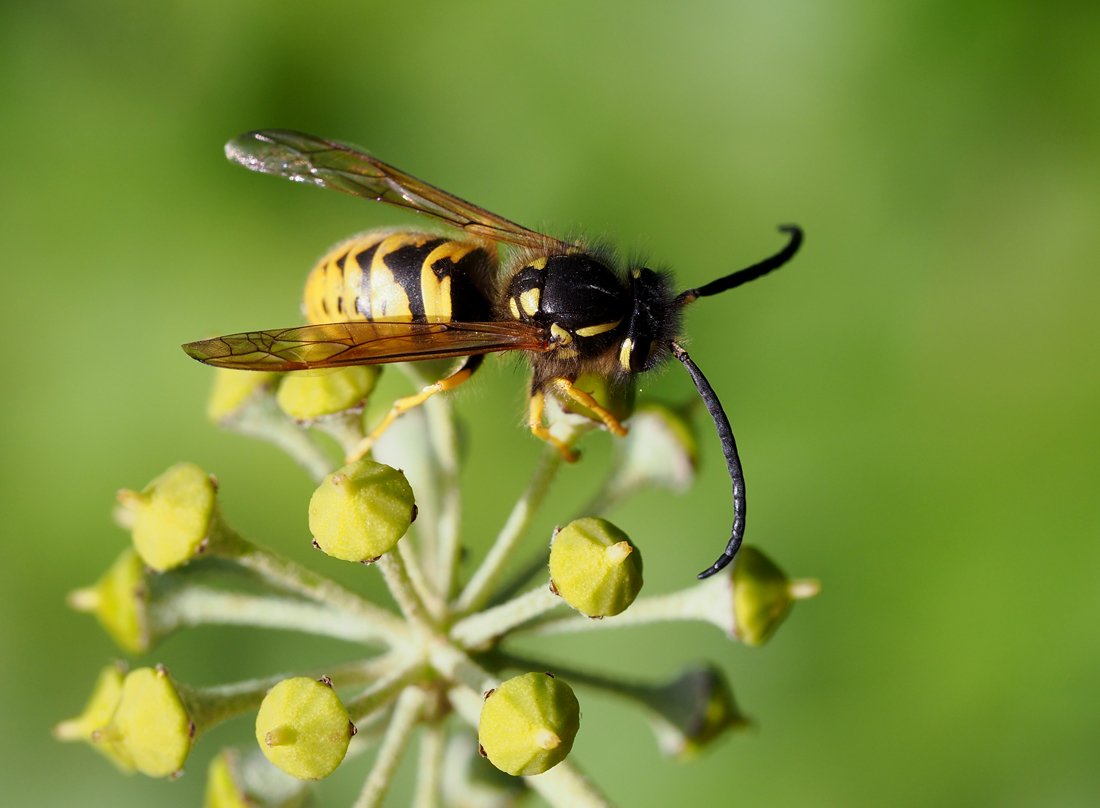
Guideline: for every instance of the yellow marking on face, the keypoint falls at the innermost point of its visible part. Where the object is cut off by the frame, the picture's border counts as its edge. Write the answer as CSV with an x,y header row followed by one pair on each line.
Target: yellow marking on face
x,y
538,264
560,334
593,330
512,307
624,353
566,353
529,301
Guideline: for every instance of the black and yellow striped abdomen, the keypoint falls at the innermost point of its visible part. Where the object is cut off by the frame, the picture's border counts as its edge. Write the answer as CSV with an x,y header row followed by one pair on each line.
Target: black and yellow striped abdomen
x,y
401,277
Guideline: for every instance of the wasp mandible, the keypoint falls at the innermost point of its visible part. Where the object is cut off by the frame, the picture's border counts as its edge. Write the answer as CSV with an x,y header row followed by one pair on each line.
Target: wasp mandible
x,y
399,295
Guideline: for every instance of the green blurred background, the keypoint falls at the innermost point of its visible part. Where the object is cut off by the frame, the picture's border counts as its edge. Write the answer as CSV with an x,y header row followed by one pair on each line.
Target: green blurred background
x,y
916,396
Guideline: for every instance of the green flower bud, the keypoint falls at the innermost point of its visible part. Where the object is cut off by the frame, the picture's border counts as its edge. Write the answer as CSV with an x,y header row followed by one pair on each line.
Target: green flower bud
x,y
660,451
118,600
97,714
151,723
233,389
595,567
222,790
304,728
763,595
360,511
248,780
172,516
618,399
309,396
528,724
692,711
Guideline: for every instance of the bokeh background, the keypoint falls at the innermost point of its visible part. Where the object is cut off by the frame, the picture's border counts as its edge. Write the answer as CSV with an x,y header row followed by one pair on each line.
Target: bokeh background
x,y
916,396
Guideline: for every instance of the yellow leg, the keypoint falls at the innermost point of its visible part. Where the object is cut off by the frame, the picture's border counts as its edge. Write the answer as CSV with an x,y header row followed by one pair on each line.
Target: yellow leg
x,y
535,409
403,405
569,390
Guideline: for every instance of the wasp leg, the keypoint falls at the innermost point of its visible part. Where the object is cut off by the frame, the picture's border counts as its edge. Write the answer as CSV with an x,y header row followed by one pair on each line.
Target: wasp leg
x,y
535,407
403,405
569,390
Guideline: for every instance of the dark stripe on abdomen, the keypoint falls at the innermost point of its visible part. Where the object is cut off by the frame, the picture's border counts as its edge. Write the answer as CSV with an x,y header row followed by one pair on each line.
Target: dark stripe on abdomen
x,y
405,263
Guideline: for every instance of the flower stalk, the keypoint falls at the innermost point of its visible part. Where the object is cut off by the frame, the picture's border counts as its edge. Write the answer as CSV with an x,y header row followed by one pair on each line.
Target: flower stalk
x,y
445,653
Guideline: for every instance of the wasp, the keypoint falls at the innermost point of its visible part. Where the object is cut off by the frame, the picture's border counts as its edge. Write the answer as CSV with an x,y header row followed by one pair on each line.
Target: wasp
x,y
403,295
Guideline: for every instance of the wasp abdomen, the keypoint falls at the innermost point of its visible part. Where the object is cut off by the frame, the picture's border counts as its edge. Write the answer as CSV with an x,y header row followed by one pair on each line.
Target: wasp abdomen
x,y
400,277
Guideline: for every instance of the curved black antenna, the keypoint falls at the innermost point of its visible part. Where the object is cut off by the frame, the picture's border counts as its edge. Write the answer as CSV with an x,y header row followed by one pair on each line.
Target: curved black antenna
x,y
729,450
748,273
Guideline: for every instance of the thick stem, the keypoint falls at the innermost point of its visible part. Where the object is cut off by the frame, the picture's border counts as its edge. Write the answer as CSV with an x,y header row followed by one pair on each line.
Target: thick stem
x,y
477,591
293,577
565,786
710,601
194,605
443,437
405,716
207,706
264,420
484,626
429,774
385,687
420,584
396,576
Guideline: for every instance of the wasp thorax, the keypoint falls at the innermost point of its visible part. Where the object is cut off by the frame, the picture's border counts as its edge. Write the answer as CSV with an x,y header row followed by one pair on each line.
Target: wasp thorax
x,y
576,296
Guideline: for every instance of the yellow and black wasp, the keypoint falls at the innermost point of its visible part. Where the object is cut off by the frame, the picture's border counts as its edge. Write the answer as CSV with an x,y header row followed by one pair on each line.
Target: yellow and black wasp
x,y
399,296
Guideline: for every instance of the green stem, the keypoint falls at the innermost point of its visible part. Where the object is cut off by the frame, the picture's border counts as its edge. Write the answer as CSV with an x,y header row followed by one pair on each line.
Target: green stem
x,y
419,581
264,420
710,601
194,605
487,625
382,690
207,706
479,587
396,576
345,427
565,786
405,716
443,437
429,776
293,577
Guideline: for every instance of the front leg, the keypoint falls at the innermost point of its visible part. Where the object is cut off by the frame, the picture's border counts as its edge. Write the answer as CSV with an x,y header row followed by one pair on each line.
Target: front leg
x,y
536,406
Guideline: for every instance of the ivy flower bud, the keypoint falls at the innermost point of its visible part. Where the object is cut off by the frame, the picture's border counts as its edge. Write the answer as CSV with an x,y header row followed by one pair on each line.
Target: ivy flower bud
x,y
595,567
236,780
763,595
691,711
118,600
233,389
660,451
151,723
96,715
303,728
172,516
528,724
361,511
309,396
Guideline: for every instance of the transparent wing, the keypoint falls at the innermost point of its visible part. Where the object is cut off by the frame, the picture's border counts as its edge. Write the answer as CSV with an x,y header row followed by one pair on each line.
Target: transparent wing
x,y
334,345
307,158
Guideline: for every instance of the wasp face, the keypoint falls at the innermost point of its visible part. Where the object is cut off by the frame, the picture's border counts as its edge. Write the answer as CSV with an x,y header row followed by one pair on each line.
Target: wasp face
x,y
578,298
654,320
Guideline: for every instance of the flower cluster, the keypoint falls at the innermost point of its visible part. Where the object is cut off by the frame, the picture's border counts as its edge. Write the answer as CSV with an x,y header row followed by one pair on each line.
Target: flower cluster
x,y
441,664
